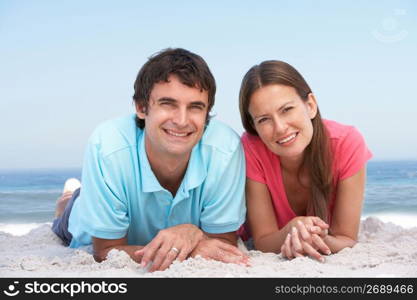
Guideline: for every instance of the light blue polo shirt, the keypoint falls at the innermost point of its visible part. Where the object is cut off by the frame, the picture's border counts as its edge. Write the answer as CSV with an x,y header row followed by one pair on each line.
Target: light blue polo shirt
x,y
120,194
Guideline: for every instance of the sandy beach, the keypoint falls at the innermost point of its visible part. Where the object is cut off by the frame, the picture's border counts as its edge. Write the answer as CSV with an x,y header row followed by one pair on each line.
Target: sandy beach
x,y
384,250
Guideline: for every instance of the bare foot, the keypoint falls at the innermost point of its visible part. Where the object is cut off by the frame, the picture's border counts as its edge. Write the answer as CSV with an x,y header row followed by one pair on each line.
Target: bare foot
x,y
70,186
61,203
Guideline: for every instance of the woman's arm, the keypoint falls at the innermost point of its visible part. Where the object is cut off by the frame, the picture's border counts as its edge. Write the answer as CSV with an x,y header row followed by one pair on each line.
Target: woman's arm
x,y
344,227
345,222
261,218
267,237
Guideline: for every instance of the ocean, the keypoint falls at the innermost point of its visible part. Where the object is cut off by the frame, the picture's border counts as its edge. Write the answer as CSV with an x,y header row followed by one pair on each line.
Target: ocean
x,y
27,197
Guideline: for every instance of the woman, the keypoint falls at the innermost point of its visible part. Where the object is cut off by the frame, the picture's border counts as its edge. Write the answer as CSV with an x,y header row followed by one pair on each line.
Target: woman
x,y
305,175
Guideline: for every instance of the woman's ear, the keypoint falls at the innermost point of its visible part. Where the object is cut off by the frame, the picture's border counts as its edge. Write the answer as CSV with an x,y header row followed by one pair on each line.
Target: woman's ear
x,y
311,104
140,111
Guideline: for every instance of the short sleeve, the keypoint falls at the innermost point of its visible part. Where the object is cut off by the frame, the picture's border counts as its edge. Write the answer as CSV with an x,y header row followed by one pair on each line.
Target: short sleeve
x,y
352,154
224,209
254,168
101,209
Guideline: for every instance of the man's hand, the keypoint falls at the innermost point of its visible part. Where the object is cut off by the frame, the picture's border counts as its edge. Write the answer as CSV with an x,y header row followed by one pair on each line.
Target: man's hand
x,y
212,248
169,244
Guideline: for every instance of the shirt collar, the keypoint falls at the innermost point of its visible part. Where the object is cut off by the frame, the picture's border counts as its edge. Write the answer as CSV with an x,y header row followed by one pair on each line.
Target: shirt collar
x,y
148,179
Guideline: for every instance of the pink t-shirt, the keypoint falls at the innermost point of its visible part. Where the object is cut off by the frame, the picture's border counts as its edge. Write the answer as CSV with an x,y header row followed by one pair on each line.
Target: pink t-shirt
x,y
349,156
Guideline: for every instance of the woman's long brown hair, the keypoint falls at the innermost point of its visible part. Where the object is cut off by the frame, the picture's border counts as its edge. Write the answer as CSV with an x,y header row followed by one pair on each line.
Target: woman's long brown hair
x,y
318,157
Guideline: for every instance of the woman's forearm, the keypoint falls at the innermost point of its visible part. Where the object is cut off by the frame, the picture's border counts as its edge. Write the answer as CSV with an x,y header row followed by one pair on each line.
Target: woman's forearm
x,y
338,242
273,241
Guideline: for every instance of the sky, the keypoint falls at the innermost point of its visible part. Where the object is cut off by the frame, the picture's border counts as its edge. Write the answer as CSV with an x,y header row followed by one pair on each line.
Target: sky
x,y
66,66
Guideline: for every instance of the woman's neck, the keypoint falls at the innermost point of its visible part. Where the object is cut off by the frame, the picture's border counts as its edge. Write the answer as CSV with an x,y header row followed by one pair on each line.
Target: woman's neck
x,y
291,165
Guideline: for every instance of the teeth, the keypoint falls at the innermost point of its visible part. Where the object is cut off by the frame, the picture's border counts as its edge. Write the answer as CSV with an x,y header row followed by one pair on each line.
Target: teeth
x,y
287,139
176,133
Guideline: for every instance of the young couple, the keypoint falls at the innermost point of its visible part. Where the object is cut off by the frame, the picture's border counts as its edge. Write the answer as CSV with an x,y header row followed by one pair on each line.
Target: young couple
x,y
168,183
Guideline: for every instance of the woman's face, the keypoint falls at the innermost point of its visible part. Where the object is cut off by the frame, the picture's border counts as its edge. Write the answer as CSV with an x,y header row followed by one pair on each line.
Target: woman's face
x,y
282,119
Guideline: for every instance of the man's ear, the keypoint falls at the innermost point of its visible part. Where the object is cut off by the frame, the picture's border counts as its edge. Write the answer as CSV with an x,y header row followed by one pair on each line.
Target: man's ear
x,y
140,111
311,104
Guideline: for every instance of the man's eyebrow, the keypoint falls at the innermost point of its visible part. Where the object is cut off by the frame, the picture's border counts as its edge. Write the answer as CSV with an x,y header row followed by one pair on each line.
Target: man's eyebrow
x,y
198,103
172,100
166,99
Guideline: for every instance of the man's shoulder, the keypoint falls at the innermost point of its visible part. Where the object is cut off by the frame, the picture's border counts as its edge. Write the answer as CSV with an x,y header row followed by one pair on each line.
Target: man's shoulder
x,y
115,134
221,137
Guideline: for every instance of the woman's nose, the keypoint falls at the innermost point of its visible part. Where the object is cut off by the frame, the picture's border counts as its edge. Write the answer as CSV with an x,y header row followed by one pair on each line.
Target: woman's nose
x,y
280,126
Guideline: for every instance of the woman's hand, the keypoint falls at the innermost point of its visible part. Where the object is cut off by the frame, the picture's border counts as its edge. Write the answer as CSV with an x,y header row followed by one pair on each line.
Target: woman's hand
x,y
312,224
306,238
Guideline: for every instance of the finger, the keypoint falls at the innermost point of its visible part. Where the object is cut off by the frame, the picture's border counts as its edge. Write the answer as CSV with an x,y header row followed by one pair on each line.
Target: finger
x,y
232,257
309,250
318,230
305,235
295,241
184,252
319,222
315,230
163,253
321,244
287,245
297,254
227,253
283,251
170,257
284,248
239,255
227,256
148,252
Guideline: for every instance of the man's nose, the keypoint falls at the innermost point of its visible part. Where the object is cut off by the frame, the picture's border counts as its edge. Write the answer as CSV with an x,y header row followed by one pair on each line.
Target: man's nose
x,y
180,117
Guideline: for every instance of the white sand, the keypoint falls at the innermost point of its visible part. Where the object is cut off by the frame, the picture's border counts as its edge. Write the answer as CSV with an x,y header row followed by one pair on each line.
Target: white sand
x,y
384,250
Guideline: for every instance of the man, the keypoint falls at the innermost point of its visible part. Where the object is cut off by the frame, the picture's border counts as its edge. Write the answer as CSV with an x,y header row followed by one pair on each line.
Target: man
x,y
166,183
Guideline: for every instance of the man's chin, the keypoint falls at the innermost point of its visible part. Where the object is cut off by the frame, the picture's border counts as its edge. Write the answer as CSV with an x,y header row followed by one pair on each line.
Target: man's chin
x,y
179,150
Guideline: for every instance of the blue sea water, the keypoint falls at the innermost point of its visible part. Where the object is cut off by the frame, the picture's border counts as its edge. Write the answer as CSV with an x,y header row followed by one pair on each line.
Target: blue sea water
x,y
27,197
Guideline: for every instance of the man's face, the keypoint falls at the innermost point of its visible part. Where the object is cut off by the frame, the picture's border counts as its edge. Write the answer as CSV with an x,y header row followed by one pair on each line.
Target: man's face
x,y
175,118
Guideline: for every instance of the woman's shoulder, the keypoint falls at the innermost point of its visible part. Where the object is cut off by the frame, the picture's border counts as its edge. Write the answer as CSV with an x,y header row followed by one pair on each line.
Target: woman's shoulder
x,y
253,146
338,130
251,140
349,148
343,136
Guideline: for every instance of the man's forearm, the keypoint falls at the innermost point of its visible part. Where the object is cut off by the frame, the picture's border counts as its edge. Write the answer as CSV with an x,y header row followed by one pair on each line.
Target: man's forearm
x,y
101,254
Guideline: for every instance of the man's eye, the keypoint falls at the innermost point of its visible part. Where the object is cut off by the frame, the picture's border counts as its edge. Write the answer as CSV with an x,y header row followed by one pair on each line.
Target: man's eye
x,y
198,107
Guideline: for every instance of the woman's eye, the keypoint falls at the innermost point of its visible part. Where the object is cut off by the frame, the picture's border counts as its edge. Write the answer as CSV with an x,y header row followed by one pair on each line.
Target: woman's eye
x,y
287,108
262,120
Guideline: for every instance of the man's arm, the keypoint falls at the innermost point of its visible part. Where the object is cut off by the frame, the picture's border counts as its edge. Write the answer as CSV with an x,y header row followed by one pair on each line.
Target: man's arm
x,y
101,248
